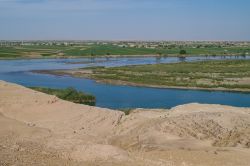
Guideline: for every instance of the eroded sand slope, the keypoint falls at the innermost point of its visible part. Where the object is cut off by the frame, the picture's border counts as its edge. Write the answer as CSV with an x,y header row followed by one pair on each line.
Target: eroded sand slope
x,y
39,129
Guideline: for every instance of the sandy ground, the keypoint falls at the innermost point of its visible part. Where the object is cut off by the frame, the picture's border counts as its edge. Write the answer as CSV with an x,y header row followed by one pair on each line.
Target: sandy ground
x,y
39,129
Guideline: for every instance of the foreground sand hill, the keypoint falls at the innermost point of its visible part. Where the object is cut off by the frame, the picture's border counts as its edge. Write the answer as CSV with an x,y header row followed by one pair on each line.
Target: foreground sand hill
x,y
39,129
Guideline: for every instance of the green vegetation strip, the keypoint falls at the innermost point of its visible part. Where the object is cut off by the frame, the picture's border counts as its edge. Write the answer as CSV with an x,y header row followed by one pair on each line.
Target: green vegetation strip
x,y
110,49
227,74
69,94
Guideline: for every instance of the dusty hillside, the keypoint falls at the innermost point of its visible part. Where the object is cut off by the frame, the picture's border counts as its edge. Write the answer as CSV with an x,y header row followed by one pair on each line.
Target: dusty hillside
x,y
38,129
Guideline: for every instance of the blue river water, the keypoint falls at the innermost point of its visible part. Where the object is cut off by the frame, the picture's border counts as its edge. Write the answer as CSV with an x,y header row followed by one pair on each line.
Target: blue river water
x,y
117,96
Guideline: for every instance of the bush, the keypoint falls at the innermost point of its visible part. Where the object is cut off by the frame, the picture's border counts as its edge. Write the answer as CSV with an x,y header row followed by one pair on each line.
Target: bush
x,y
69,94
183,52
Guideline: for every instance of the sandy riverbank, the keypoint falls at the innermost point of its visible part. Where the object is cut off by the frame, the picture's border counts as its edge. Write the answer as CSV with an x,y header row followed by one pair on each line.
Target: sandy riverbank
x,y
39,129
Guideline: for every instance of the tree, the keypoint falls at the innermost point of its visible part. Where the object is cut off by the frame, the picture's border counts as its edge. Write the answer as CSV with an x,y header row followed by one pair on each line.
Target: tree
x,y
183,52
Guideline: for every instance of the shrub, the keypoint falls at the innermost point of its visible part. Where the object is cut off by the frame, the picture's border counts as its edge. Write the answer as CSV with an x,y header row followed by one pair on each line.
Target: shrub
x,y
69,94
183,52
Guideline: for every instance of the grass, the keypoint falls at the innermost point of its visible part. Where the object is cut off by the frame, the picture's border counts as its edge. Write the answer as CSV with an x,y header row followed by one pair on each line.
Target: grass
x,y
69,94
228,74
22,51
109,49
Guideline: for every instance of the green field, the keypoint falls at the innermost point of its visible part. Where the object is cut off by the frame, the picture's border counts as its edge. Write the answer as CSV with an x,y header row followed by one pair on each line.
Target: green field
x,y
110,49
30,50
227,74
114,50
69,94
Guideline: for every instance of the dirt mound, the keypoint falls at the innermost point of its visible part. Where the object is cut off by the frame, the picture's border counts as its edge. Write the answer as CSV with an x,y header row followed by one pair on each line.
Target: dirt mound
x,y
39,129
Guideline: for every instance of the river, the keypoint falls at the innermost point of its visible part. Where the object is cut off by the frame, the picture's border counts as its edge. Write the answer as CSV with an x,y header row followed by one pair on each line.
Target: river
x,y
117,96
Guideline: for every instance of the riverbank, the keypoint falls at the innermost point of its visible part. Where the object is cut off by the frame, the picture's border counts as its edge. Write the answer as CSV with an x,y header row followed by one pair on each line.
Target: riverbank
x,y
120,56
224,75
36,131
89,56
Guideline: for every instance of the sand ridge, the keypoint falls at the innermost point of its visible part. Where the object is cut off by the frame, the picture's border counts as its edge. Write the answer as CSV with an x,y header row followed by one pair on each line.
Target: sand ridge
x,y
40,129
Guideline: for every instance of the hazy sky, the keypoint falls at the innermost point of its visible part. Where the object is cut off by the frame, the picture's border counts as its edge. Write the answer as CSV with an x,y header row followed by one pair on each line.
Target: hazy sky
x,y
125,19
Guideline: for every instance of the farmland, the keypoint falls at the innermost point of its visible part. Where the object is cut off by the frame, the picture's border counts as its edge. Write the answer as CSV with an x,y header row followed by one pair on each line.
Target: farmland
x,y
97,49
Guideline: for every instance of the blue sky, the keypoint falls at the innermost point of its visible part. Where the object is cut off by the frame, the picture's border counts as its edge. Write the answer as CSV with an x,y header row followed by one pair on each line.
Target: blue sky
x,y
125,19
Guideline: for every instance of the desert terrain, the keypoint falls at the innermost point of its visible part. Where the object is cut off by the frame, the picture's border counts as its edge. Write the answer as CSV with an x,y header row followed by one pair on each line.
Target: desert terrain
x,y
40,129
